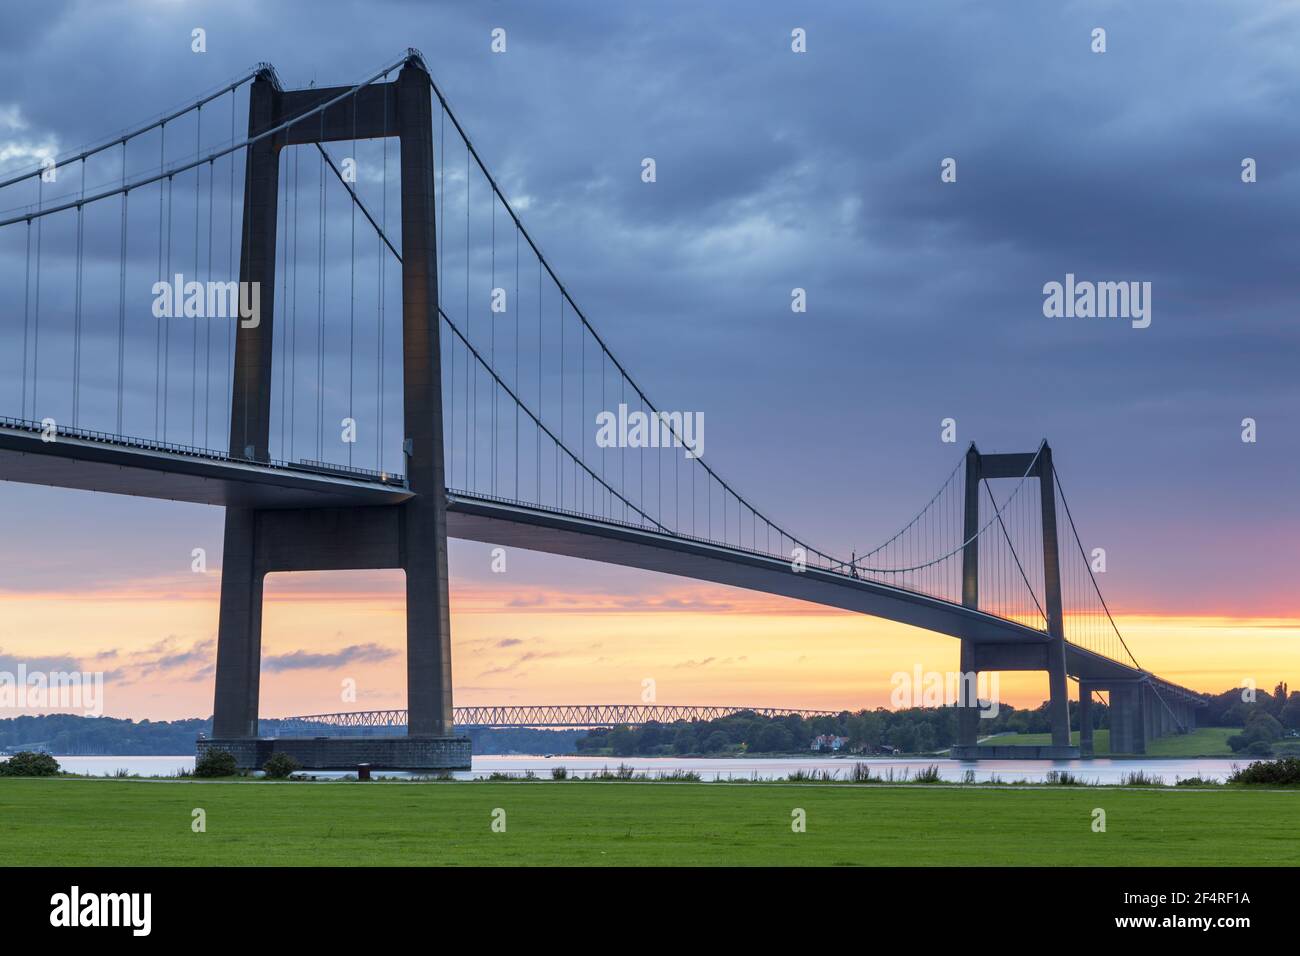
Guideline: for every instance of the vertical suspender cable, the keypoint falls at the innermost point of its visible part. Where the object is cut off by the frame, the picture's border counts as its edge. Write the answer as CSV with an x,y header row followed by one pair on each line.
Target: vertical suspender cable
x,y
470,435
293,315
167,327
352,292
76,334
27,291
194,332
121,302
559,386
207,325
36,309
514,315
539,380
282,238
157,342
320,309
229,374
492,337
379,377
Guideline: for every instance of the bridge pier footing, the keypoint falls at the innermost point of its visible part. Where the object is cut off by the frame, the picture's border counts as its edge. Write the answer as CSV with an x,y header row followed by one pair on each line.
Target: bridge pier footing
x,y
994,751
345,753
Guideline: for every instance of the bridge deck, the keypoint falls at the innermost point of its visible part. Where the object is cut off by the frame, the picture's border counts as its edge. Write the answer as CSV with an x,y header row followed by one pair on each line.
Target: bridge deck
x,y
576,536
497,522
92,461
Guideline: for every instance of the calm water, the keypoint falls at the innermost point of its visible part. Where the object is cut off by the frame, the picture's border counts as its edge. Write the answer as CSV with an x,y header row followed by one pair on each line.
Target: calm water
x,y
1099,770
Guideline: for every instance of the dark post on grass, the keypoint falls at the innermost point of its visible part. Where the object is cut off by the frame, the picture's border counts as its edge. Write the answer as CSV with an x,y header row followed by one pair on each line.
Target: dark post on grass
x,y
363,771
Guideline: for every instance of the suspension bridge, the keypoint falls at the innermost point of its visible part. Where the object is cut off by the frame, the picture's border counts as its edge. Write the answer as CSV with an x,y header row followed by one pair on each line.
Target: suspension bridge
x,y
374,354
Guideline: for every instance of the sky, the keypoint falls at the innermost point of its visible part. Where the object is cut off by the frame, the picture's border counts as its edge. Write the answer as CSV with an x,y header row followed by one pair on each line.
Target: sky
x,y
774,170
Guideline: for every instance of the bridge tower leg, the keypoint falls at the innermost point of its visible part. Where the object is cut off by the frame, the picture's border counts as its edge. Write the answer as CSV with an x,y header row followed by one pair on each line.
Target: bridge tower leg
x,y
424,518
967,708
411,536
239,633
1058,687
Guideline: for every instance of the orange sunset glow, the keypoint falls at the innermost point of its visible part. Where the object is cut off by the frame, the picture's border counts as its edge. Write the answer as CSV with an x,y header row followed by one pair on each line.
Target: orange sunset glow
x,y
523,639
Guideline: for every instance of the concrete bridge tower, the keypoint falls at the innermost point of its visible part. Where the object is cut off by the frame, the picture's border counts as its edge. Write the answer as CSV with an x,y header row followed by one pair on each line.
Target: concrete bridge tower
x,y
412,535
1050,656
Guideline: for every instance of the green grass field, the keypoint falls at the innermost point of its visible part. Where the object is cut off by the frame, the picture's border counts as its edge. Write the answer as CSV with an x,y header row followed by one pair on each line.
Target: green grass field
x,y
122,822
1202,742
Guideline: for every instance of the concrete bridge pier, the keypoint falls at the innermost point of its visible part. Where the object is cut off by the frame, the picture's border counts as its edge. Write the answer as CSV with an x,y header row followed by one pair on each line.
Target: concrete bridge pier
x,y
1129,726
1085,719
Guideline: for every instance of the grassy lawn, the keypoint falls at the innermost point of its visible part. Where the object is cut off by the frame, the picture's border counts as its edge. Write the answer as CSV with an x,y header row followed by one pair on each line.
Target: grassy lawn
x,y
1202,742
123,822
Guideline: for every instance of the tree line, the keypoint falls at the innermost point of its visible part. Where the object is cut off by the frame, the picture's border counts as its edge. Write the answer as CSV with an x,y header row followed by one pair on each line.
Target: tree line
x,y
1266,719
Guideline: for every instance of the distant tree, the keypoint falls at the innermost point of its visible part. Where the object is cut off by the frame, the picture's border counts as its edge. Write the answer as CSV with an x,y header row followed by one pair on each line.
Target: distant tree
x,y
1290,715
1262,729
651,735
774,738
865,730
622,741
717,742
924,737
685,740
903,738
822,725
1263,726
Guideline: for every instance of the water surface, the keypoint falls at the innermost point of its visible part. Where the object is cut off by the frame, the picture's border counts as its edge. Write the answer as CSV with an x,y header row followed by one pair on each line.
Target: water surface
x,y
1097,770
